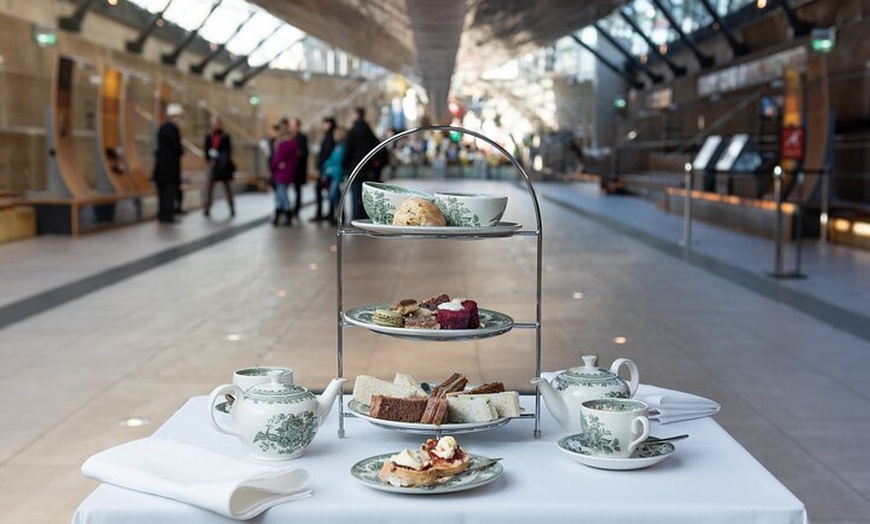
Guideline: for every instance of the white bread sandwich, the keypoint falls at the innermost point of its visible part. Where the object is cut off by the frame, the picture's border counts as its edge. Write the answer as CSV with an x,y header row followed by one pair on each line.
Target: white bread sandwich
x,y
366,386
506,403
470,408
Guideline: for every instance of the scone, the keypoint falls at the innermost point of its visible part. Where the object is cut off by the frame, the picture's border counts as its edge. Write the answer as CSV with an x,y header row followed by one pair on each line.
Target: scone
x,y
445,455
408,468
417,211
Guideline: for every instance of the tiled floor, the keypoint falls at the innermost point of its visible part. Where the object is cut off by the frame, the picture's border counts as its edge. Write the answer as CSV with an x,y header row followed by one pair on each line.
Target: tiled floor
x,y
132,322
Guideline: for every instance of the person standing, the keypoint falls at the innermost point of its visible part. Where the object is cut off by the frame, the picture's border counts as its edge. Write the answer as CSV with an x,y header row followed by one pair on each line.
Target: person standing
x,y
167,163
284,162
327,144
301,174
334,173
359,142
219,156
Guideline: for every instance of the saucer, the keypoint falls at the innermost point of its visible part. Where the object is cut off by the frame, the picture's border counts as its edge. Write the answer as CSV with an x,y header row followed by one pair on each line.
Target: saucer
x,y
646,455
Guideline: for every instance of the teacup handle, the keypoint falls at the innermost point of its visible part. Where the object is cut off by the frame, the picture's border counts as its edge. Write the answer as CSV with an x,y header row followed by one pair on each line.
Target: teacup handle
x,y
643,422
217,393
633,375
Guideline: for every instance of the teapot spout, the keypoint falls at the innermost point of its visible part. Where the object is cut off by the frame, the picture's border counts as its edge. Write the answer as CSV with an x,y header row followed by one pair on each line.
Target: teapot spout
x,y
327,398
554,401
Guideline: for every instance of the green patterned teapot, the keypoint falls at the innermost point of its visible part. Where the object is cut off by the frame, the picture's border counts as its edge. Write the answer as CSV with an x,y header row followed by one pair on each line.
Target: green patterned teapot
x,y
572,387
276,421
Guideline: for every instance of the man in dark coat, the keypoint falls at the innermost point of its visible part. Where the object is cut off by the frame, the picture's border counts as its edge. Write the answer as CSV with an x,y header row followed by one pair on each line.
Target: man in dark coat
x,y
302,167
359,142
327,144
219,156
167,164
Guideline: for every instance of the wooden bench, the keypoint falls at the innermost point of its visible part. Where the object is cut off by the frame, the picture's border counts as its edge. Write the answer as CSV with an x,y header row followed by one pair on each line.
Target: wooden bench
x,y
61,215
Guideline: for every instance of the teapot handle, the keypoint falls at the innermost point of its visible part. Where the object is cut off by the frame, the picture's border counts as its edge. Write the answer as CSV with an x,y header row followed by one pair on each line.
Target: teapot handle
x,y
633,375
217,393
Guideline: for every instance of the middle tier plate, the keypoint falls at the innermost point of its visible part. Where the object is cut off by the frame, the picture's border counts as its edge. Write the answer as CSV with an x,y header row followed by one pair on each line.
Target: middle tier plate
x,y
492,323
362,411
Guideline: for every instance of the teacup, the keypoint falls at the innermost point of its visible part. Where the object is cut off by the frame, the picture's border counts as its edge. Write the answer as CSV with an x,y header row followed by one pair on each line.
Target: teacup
x,y
471,209
246,378
614,427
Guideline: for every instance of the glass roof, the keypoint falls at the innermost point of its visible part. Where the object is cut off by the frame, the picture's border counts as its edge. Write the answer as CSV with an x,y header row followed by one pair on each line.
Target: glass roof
x,y
247,30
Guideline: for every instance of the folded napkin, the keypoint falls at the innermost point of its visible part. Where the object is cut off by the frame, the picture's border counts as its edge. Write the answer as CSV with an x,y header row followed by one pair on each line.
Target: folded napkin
x,y
674,406
186,473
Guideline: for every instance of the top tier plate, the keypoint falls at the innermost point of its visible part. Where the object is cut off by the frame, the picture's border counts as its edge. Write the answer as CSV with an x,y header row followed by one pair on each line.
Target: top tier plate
x,y
502,229
492,323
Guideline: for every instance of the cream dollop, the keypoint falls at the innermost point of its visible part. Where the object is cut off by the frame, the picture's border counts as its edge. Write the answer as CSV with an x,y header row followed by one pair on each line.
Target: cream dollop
x,y
446,447
450,306
410,459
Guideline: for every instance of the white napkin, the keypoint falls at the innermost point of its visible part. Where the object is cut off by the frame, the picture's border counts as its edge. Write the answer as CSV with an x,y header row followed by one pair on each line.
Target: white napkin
x,y
231,487
674,406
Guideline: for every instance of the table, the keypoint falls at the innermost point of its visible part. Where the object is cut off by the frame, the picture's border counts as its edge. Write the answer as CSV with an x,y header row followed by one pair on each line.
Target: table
x,y
710,478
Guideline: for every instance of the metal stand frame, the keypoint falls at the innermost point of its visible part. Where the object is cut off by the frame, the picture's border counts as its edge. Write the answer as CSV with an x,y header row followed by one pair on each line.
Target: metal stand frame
x,y
343,230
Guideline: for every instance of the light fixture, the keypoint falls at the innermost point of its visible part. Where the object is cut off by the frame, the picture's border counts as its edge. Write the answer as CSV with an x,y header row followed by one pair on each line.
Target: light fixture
x,y
134,422
620,340
234,337
312,266
577,295
282,294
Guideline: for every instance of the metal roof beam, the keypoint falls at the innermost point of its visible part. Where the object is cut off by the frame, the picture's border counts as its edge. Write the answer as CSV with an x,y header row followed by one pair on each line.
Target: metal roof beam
x,y
607,63
656,78
156,20
172,58
73,22
198,68
221,76
703,59
677,70
254,71
737,47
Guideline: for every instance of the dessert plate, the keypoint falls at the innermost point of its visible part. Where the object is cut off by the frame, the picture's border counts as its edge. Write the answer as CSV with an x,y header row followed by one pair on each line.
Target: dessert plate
x,y
366,471
491,323
502,229
362,411
646,455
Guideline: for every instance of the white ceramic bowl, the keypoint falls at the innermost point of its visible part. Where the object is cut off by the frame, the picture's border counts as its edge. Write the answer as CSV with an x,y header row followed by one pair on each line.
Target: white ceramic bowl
x,y
471,209
380,200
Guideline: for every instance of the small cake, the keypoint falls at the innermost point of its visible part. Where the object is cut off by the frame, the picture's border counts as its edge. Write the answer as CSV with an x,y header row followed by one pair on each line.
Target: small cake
x,y
409,468
434,301
397,409
452,316
473,315
388,318
417,211
405,307
445,455
422,319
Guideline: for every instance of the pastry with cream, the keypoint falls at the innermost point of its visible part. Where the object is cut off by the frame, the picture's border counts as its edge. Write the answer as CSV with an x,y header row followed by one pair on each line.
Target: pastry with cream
x,y
435,460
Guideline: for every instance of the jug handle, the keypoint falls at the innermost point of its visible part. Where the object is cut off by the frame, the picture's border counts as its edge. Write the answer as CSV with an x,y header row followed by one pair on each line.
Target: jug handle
x,y
633,375
217,393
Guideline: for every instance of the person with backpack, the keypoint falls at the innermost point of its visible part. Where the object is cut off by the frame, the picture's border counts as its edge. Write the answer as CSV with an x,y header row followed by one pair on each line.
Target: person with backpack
x,y
359,142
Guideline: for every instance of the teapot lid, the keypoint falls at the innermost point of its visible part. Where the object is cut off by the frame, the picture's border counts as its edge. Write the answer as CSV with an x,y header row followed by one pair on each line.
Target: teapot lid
x,y
588,371
275,390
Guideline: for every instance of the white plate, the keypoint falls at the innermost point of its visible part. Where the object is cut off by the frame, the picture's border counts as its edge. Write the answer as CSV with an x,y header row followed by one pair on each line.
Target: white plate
x,y
502,229
646,455
491,323
362,411
366,471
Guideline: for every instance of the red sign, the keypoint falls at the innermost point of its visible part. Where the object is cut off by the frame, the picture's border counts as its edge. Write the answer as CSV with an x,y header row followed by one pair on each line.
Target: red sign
x,y
791,145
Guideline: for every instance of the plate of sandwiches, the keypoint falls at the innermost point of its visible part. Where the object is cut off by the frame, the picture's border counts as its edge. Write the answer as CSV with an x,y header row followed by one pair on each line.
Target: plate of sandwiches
x,y
437,318
449,407
438,466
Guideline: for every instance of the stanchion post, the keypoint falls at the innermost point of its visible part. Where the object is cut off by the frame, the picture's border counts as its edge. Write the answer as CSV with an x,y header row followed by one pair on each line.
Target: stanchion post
x,y
777,232
687,206
826,200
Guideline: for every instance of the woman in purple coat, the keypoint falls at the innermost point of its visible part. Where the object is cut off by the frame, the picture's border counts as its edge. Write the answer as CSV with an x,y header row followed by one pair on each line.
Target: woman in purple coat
x,y
283,164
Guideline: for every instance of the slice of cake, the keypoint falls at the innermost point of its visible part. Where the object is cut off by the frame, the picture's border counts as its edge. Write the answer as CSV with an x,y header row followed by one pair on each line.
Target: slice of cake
x,y
397,409
436,410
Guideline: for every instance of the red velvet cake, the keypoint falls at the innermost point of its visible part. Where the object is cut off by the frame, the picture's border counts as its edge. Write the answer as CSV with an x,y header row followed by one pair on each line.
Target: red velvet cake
x,y
473,316
452,316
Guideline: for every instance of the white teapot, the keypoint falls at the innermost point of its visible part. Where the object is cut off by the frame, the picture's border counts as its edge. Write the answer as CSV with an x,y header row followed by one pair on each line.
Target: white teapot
x,y
573,386
276,421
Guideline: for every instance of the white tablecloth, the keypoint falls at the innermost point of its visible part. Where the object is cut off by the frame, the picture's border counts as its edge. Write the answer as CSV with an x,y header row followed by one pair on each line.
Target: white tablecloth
x,y
710,479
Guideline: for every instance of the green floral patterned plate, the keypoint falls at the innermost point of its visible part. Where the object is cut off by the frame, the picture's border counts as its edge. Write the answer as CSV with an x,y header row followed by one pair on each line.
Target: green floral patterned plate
x,y
502,229
491,323
646,455
366,471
